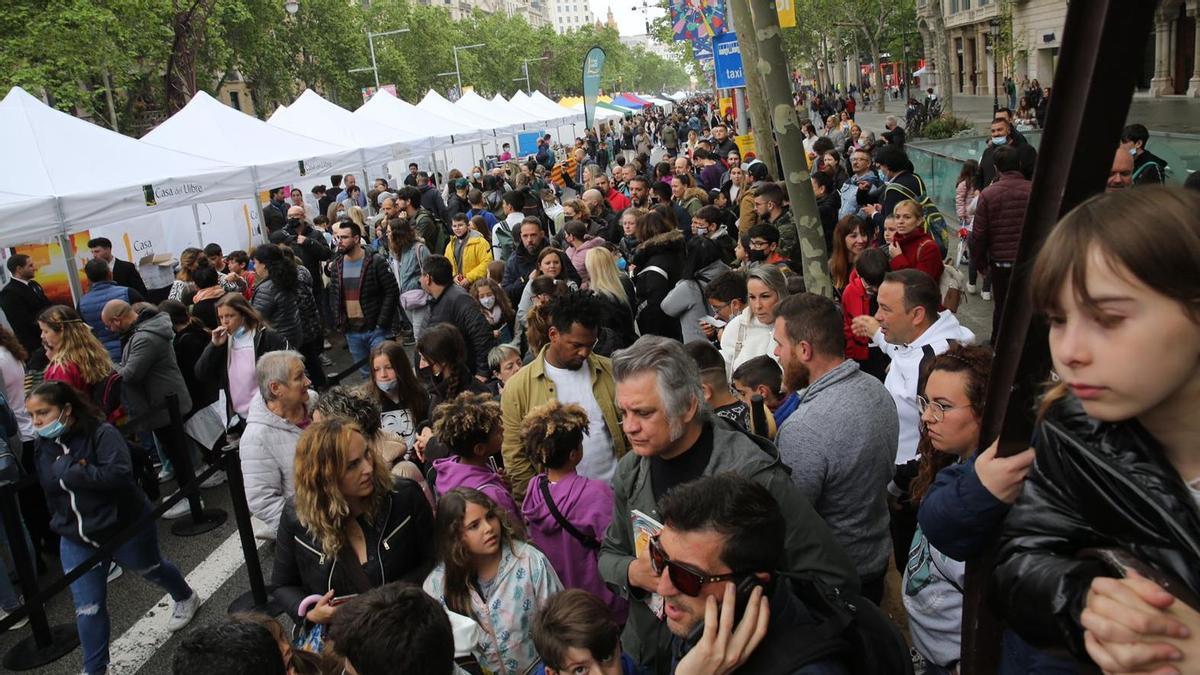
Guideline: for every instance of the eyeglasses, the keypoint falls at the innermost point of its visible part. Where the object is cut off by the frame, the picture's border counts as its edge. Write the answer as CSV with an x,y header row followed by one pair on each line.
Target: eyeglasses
x,y
689,581
939,409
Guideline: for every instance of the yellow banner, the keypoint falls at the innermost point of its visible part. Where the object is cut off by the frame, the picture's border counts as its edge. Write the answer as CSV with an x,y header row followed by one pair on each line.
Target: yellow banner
x,y
745,143
787,13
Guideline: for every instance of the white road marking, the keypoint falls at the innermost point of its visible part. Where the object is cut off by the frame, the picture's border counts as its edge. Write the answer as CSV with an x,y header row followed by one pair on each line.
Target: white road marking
x,y
142,641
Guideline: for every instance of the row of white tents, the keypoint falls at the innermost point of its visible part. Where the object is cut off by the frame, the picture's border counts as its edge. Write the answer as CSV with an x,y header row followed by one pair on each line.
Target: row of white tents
x,y
202,174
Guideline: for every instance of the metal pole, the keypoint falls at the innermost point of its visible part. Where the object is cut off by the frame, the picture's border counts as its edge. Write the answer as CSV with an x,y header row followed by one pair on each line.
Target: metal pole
x,y
374,65
457,72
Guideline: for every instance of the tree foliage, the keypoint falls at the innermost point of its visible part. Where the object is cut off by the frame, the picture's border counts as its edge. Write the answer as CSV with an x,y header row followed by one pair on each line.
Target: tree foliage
x,y
76,52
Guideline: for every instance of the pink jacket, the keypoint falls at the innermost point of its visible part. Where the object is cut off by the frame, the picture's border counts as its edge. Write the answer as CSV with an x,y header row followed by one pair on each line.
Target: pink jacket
x,y
964,192
579,255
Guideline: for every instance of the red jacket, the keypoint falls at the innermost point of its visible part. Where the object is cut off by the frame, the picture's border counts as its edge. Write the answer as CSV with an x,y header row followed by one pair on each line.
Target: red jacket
x,y
919,251
855,302
617,201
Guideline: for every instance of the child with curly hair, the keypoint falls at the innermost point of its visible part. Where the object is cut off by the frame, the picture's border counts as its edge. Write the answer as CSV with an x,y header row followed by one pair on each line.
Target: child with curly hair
x,y
567,513
469,425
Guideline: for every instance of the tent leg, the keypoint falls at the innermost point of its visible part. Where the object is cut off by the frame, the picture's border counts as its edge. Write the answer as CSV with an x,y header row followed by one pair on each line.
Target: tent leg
x,y
262,223
68,250
196,219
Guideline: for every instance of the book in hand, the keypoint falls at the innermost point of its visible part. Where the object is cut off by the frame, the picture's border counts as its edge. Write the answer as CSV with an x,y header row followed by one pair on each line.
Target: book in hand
x,y
645,527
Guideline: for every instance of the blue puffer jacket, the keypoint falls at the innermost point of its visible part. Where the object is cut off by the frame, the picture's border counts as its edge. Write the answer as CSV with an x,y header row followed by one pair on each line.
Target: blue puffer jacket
x,y
90,306
89,484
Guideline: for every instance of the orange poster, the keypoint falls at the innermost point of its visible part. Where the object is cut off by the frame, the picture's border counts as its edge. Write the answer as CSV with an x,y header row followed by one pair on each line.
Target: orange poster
x,y
51,267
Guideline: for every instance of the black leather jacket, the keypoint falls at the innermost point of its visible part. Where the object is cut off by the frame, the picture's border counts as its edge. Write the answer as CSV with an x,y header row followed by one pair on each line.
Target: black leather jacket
x,y
1094,485
399,548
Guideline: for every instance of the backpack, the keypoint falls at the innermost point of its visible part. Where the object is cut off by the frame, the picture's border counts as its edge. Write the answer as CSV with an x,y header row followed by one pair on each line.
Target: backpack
x,y
442,236
935,222
106,394
504,240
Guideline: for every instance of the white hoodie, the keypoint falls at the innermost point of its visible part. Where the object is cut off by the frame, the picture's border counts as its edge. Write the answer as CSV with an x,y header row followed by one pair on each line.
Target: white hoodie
x,y
902,376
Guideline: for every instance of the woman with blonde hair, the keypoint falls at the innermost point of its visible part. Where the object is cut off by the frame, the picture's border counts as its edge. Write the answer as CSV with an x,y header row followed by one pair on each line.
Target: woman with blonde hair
x,y
359,217
183,288
76,356
348,510
750,333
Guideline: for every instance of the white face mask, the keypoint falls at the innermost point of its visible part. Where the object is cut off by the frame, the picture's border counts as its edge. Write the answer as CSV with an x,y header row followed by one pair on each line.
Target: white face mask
x,y
488,301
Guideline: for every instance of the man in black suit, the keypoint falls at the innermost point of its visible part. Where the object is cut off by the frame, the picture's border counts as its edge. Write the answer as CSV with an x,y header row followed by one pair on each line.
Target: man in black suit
x,y
123,273
275,212
22,299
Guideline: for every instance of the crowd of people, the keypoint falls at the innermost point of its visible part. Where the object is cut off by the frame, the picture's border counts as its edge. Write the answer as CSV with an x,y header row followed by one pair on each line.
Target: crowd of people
x,y
603,428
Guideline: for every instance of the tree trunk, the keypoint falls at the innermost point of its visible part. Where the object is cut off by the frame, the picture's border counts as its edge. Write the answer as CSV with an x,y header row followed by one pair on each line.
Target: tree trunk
x,y
943,54
756,100
772,65
108,101
875,59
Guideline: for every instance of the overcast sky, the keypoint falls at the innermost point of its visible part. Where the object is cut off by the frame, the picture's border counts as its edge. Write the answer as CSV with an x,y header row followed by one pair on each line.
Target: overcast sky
x,y
628,13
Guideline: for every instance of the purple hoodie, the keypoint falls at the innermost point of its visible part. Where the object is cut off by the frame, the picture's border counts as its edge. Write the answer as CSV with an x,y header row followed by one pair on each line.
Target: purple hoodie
x,y
452,473
588,505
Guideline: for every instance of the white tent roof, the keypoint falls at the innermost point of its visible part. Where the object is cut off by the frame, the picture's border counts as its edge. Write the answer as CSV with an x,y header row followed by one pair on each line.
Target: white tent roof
x,y
310,114
540,99
601,113
209,128
434,103
520,101
385,108
505,121
278,110
97,175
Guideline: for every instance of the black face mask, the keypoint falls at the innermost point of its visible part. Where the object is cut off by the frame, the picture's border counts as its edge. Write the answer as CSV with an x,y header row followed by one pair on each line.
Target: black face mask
x,y
756,255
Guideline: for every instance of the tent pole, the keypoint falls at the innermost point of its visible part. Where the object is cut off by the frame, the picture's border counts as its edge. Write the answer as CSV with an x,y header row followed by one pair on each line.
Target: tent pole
x,y
362,156
64,242
196,219
262,222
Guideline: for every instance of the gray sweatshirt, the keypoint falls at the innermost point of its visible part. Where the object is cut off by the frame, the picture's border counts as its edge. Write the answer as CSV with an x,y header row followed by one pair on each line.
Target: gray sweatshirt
x,y
841,445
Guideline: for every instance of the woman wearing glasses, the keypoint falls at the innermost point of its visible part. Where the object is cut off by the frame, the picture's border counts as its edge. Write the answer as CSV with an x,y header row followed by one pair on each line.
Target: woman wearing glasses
x,y
951,405
486,571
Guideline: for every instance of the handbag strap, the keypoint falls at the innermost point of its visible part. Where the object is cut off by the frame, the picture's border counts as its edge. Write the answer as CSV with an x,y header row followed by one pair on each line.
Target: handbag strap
x,y
587,541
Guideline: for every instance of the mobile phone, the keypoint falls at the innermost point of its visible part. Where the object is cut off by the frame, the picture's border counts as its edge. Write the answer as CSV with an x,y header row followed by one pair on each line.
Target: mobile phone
x,y
339,599
712,321
741,599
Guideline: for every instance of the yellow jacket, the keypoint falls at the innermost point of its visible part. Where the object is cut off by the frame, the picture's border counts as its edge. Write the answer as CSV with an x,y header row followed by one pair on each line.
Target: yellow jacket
x,y
476,256
531,387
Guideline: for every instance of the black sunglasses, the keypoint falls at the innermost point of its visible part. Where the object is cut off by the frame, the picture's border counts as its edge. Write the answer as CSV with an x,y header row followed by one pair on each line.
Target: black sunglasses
x,y
689,581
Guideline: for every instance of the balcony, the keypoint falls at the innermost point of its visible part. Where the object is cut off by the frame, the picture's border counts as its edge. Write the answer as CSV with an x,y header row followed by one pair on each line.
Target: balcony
x,y
967,17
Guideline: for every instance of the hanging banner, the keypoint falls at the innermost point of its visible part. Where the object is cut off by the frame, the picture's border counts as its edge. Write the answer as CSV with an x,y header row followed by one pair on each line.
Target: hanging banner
x,y
786,9
593,66
728,55
702,49
691,19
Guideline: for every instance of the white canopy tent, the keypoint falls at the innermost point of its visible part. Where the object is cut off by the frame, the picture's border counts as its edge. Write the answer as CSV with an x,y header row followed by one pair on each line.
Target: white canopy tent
x,y
550,106
377,144
94,176
601,113
278,110
506,121
457,145
434,103
209,128
521,101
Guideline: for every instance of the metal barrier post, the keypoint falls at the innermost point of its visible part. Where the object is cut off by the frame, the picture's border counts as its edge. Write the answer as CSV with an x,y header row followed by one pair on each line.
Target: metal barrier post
x,y
257,600
47,643
200,520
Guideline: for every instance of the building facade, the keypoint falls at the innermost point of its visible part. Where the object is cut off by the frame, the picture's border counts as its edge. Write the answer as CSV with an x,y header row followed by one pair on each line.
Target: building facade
x,y
535,12
962,33
1171,67
570,15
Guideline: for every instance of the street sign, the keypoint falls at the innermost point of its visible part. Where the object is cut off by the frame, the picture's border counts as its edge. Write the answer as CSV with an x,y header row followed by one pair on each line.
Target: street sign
x,y
730,74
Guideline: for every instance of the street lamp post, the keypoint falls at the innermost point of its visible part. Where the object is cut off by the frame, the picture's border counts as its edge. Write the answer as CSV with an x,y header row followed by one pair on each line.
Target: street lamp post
x,y
457,69
371,44
994,24
528,89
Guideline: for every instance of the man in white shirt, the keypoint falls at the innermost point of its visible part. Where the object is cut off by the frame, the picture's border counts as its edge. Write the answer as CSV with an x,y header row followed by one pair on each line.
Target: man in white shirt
x,y
566,370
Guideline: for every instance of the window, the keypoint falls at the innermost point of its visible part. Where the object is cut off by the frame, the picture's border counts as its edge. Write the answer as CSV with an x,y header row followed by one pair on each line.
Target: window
x,y
954,6
235,100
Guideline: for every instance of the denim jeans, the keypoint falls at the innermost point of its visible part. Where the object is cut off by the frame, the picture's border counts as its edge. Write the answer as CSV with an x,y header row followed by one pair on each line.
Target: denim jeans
x,y
360,345
90,591
418,317
9,600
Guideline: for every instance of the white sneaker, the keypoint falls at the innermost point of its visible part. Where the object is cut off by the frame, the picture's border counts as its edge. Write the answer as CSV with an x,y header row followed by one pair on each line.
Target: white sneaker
x,y
214,480
165,475
971,288
114,572
986,295
185,611
263,531
179,510
20,624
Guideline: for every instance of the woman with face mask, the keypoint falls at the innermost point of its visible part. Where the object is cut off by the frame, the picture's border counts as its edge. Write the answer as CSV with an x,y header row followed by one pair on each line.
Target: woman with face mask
x,y
84,468
496,308
402,399
234,348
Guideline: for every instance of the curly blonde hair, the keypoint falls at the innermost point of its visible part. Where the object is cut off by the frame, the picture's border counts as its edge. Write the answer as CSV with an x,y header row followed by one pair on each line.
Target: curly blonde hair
x,y
465,421
320,462
79,344
551,432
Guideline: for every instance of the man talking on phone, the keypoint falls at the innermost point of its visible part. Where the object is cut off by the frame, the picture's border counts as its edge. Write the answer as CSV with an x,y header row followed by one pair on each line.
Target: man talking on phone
x,y
720,545
674,440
